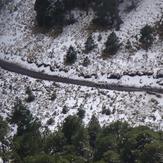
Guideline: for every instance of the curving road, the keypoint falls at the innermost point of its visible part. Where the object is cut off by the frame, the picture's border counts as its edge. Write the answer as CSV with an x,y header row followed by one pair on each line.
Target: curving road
x,y
12,67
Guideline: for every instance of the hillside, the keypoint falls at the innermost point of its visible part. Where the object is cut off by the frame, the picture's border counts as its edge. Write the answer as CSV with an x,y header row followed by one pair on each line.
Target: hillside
x,y
22,42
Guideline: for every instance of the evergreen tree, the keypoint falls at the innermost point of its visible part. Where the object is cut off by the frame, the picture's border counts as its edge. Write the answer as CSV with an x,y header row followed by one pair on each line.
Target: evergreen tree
x,y
2,3
89,44
81,113
140,142
93,130
70,128
43,158
112,45
41,7
22,118
30,97
146,38
107,13
27,140
56,12
54,143
71,56
4,143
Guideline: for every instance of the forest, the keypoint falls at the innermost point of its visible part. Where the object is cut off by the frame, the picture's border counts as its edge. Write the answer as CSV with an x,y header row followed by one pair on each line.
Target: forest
x,y
58,12
73,142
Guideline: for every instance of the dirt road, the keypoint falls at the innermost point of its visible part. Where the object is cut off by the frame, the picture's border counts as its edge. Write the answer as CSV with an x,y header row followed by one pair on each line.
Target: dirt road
x,y
39,75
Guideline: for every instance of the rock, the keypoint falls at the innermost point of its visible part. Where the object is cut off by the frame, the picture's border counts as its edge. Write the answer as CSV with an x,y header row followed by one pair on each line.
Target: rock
x,y
159,74
160,82
115,76
106,111
65,110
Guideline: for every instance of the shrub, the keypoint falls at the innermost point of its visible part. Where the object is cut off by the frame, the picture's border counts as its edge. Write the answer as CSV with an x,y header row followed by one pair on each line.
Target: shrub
x,y
106,111
86,62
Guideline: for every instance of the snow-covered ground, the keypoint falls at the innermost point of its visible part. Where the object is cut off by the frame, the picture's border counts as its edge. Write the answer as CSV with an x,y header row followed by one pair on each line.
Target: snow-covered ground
x,y
20,42
137,108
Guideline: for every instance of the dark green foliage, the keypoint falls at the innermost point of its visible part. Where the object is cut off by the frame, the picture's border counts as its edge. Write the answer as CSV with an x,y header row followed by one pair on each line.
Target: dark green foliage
x,y
65,110
106,111
50,13
89,44
53,96
99,37
2,3
54,143
26,144
159,28
107,14
146,38
75,143
81,113
70,127
50,121
30,97
70,19
3,129
137,140
3,139
41,7
27,141
23,119
111,156
71,56
93,130
112,45
42,158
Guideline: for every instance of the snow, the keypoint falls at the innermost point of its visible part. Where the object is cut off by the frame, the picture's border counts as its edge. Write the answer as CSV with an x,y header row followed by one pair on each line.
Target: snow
x,y
19,43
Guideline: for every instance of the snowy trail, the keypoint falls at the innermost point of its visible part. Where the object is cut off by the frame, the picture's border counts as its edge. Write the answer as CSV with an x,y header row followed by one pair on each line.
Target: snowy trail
x,y
38,75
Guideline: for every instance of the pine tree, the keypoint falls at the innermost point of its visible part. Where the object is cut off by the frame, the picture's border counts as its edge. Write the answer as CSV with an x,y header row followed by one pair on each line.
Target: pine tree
x,y
27,140
107,13
41,7
4,143
146,38
93,130
89,44
112,45
81,113
71,126
71,56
